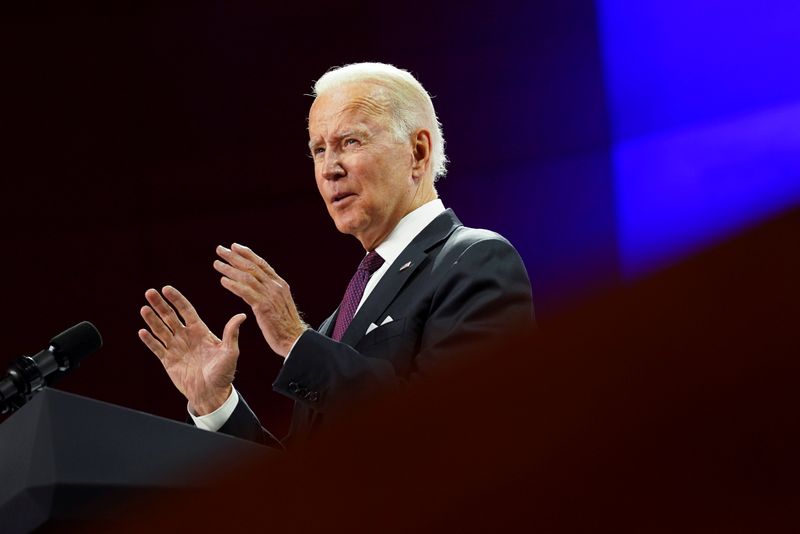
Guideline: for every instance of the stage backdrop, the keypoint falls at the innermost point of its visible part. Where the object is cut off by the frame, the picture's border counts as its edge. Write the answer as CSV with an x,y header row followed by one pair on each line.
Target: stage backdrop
x,y
135,141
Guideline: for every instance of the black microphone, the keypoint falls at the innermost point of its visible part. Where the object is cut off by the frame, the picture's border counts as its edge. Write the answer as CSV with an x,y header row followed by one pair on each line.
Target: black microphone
x,y
29,374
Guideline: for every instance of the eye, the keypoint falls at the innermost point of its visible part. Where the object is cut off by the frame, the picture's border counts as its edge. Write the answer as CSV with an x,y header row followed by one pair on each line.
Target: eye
x,y
350,141
316,151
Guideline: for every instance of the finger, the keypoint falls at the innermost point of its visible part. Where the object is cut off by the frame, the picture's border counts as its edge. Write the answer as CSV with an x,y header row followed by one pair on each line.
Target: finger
x,y
164,310
156,325
244,277
181,304
242,291
243,264
247,253
152,343
230,335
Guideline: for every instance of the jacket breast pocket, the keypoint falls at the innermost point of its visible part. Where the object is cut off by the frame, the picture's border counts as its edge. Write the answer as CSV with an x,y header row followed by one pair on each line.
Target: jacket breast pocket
x,y
393,342
382,333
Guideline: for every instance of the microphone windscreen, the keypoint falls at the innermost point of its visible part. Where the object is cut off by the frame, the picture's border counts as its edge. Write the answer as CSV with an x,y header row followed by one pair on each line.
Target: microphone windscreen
x,y
77,342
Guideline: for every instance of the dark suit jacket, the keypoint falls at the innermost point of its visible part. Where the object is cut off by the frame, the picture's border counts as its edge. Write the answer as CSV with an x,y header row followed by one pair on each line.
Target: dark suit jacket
x,y
463,286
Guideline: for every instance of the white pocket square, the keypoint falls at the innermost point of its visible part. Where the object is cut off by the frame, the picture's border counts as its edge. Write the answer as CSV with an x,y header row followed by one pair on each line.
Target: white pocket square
x,y
373,326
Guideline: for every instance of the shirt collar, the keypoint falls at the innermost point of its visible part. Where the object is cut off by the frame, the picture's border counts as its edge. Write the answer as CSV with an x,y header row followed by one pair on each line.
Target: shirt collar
x,y
407,229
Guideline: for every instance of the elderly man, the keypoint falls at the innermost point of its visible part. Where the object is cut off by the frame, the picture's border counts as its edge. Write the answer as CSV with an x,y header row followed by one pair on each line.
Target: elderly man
x,y
427,288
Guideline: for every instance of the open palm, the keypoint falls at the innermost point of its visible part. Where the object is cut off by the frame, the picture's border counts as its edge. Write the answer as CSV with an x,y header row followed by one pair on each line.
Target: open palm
x,y
200,364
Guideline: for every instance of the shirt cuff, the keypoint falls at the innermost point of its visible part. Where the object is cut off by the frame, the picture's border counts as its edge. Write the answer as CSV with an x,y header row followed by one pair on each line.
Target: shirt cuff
x,y
214,420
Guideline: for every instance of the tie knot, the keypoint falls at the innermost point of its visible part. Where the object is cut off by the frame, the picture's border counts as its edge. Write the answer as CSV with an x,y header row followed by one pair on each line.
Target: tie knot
x,y
371,262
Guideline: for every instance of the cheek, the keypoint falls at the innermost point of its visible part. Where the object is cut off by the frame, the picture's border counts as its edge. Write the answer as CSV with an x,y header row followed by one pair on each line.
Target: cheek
x,y
318,174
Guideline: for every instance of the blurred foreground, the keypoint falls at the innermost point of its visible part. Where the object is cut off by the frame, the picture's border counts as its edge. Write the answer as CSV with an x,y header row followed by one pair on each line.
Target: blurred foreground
x,y
667,406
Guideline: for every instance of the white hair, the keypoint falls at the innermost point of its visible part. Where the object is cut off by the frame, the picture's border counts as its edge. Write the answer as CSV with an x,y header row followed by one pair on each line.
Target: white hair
x,y
410,105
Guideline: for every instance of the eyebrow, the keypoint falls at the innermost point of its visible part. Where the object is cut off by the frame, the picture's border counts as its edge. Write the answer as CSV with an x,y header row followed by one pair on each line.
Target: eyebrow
x,y
363,132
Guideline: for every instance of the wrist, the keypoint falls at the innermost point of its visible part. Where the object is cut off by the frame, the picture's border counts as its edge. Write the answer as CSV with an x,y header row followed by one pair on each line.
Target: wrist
x,y
211,402
291,340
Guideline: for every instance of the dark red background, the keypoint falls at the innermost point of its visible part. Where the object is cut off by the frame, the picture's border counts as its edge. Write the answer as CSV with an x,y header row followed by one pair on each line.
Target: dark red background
x,y
135,140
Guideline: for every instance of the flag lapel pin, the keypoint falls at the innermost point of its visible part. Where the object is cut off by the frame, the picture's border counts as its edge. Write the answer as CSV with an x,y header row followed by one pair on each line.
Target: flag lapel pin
x,y
405,266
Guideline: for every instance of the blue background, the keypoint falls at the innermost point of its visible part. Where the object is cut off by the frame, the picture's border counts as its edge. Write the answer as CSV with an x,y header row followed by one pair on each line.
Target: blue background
x,y
705,106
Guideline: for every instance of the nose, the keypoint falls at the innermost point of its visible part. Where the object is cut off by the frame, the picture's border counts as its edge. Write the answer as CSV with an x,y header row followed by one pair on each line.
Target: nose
x,y
332,166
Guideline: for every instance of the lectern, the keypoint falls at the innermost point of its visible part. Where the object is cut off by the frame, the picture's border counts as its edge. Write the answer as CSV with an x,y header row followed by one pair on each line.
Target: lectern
x,y
69,460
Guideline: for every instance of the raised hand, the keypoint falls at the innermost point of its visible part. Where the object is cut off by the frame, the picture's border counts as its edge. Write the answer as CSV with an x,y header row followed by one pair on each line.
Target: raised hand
x,y
199,363
251,278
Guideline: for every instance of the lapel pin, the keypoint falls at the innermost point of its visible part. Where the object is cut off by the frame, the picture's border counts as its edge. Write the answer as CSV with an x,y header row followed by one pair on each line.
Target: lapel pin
x,y
405,266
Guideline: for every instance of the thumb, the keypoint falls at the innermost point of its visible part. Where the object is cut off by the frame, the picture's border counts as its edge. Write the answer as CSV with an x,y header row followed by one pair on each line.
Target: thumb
x,y
230,335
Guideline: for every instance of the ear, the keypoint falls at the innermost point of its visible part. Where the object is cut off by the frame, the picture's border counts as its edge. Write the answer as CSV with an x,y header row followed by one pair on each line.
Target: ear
x,y
421,147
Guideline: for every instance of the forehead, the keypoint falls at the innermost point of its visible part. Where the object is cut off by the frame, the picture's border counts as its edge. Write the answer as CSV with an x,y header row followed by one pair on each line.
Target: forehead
x,y
363,103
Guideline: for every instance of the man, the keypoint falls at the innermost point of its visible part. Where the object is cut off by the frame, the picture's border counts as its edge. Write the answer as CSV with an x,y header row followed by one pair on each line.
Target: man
x,y
427,289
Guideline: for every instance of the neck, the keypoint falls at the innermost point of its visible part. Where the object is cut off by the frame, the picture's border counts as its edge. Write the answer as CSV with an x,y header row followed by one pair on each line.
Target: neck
x,y
422,197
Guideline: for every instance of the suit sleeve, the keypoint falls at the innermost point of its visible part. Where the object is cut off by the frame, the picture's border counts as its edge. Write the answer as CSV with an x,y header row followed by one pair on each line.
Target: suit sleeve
x,y
483,291
244,424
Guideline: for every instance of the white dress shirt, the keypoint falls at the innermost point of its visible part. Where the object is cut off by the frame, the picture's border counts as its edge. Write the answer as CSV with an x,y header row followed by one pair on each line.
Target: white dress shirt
x,y
390,248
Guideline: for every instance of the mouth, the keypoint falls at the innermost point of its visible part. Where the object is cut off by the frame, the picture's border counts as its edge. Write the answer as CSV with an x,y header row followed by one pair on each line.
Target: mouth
x,y
340,198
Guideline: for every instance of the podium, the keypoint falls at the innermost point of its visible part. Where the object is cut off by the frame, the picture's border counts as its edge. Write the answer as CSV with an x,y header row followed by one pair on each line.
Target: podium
x,y
66,460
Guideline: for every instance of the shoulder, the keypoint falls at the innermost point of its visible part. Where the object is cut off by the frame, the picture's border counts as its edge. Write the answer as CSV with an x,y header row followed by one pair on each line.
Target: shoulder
x,y
465,242
464,237
479,273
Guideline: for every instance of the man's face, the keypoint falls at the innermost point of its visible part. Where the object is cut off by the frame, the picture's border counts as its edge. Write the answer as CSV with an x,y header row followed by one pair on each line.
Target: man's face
x,y
363,173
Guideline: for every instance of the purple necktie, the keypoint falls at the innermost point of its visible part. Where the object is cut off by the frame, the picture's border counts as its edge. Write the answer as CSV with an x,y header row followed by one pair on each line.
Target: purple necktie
x,y
347,309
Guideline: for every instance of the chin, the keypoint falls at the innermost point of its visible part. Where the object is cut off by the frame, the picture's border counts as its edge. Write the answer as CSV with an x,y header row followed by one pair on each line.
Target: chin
x,y
345,225
353,226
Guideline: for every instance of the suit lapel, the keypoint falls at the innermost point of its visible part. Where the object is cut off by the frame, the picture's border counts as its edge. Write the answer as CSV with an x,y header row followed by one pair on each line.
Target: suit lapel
x,y
415,255
383,294
327,326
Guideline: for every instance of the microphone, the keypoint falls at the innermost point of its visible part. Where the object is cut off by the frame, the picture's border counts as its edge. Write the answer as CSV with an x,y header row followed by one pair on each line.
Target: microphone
x,y
30,374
